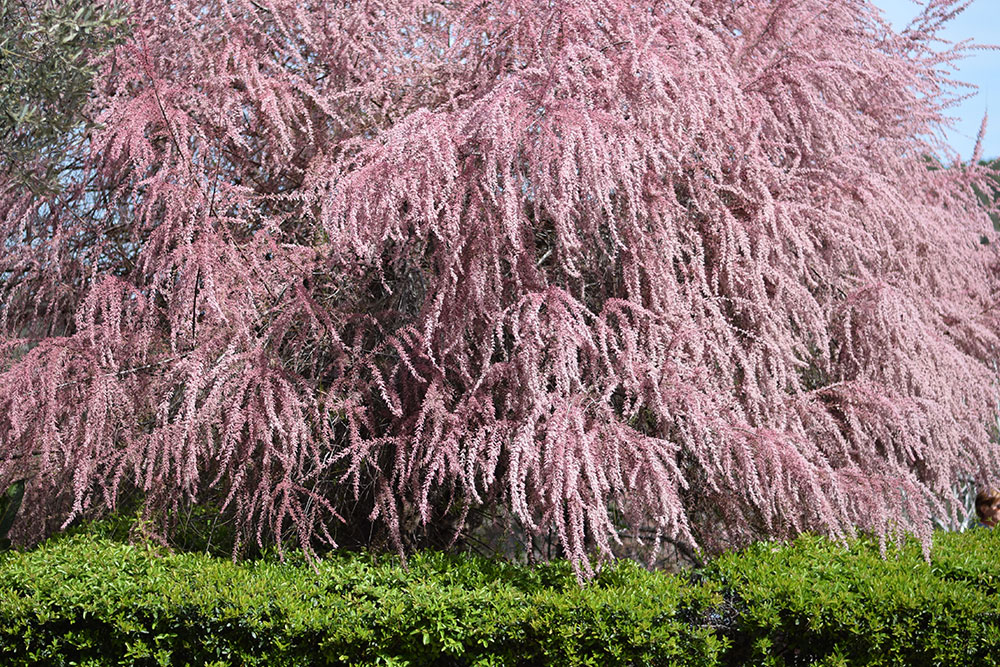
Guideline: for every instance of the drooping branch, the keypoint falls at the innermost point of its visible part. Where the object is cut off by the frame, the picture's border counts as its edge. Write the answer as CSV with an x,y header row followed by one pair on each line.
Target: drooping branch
x,y
689,270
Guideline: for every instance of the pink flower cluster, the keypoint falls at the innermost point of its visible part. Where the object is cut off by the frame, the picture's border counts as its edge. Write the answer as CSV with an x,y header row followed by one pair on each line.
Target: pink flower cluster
x,y
698,269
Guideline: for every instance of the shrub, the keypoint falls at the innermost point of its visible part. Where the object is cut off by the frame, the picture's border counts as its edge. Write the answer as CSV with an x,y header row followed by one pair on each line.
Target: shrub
x,y
92,601
88,600
821,602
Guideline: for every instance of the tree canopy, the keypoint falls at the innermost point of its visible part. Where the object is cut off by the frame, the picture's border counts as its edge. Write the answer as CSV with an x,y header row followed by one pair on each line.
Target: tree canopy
x,y
695,271
45,79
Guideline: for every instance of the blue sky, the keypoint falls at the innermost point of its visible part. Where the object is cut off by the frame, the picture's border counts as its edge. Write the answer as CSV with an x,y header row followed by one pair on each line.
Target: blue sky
x,y
981,21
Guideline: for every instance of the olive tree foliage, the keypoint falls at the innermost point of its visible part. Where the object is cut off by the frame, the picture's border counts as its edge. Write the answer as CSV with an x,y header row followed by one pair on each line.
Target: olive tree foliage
x,y
989,196
594,271
45,80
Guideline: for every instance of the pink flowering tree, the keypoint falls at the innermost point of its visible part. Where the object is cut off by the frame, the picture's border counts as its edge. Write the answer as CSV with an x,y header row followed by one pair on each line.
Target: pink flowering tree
x,y
696,271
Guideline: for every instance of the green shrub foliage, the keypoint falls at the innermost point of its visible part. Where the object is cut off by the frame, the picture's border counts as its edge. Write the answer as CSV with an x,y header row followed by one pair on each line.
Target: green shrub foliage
x,y
88,600
819,602
91,601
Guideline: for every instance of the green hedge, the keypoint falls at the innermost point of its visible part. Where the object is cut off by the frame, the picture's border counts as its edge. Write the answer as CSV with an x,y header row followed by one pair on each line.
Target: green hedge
x,y
85,600
94,602
818,602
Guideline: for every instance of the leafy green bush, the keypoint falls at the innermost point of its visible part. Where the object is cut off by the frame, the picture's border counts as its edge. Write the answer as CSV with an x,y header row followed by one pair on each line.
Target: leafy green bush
x,y
819,602
89,600
92,601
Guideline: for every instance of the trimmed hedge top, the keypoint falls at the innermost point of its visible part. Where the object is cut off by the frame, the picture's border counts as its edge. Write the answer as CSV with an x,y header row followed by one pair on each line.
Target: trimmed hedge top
x,y
89,601
818,602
